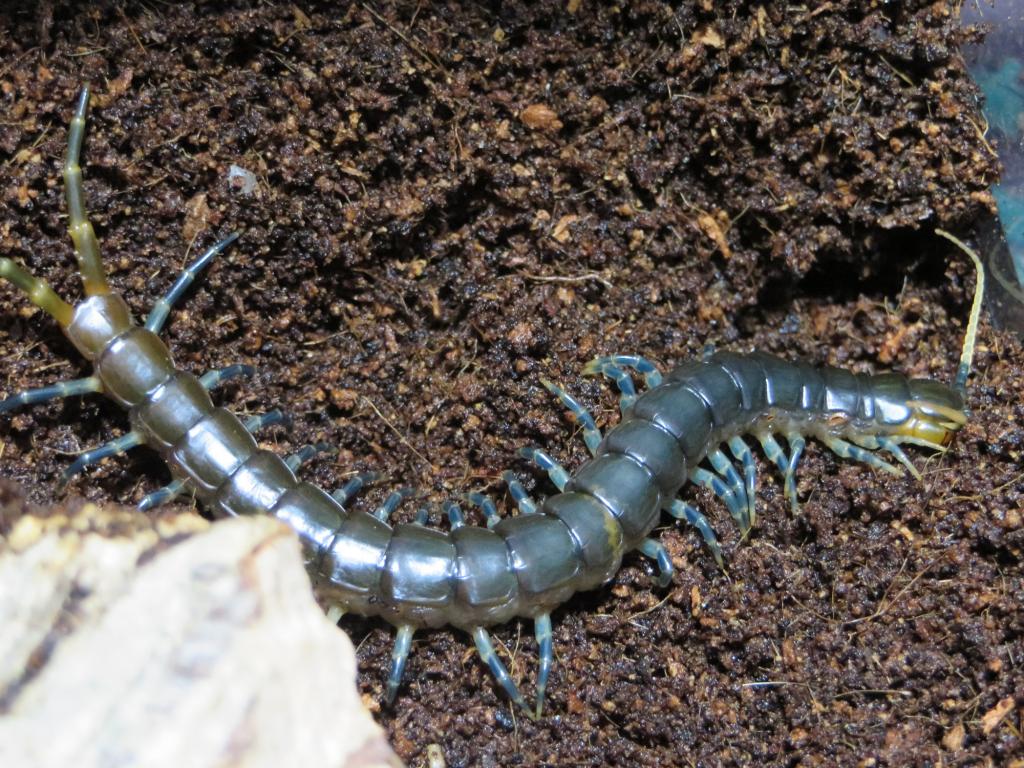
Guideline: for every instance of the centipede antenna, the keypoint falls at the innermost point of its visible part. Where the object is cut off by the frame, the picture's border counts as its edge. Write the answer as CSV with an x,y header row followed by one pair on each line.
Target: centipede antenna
x,y
87,248
970,335
38,291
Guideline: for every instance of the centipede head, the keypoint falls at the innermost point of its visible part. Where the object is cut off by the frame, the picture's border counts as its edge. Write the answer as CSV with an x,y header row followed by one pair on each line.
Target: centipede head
x,y
936,414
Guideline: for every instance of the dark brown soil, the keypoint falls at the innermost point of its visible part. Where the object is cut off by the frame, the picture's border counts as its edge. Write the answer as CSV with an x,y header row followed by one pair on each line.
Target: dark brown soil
x,y
452,201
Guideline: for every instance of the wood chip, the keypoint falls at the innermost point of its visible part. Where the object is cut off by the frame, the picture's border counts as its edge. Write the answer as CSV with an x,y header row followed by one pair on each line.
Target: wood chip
x,y
991,719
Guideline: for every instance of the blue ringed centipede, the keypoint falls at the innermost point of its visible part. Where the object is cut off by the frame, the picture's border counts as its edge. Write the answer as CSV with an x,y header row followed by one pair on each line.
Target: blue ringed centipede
x,y
517,566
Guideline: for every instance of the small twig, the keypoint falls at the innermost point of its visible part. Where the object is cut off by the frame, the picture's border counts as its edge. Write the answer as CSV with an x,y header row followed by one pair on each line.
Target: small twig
x,y
570,279
413,46
394,429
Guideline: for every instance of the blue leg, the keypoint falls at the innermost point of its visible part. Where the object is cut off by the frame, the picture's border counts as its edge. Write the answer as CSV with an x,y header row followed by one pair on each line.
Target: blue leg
x,y
268,419
654,550
717,486
486,650
796,450
683,511
591,434
850,451
888,444
526,505
555,470
344,494
487,506
211,379
422,516
399,654
542,631
53,392
739,449
647,369
162,308
162,495
455,518
114,447
623,381
773,451
709,351
305,453
384,511
725,468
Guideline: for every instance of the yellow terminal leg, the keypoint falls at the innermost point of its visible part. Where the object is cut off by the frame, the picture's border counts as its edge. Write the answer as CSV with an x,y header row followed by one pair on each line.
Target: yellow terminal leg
x,y
87,248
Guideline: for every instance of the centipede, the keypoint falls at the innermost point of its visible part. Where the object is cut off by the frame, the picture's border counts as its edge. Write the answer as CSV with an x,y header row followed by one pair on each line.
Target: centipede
x,y
690,425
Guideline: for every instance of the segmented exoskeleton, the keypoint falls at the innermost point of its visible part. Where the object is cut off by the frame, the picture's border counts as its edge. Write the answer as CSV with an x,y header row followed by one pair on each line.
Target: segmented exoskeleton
x,y
524,565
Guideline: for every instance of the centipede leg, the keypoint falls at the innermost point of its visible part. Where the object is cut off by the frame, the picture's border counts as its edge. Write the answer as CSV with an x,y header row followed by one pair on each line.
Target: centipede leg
x,y
487,507
345,494
422,516
555,470
623,381
773,451
796,448
542,631
305,453
487,653
59,391
212,379
892,447
717,486
847,450
119,445
725,468
739,448
591,434
683,511
390,504
334,613
527,506
399,655
455,518
255,423
609,367
162,308
162,495
654,550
